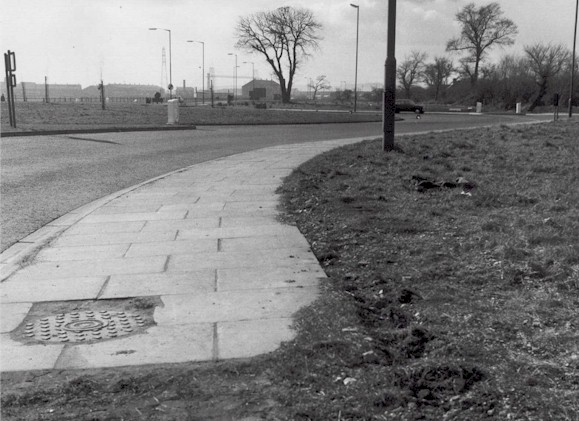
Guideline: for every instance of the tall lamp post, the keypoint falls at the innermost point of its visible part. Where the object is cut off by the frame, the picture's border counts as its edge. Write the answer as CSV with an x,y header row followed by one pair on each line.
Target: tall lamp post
x,y
571,89
356,76
203,69
252,76
170,66
234,92
390,80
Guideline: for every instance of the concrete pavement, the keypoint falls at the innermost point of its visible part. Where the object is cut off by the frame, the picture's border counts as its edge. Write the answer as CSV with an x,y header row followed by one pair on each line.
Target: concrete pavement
x,y
191,266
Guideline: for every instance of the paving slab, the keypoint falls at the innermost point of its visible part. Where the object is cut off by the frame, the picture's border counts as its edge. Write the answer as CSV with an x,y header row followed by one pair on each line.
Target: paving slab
x,y
15,356
82,268
293,257
166,248
269,227
233,305
280,277
144,236
266,242
175,283
16,290
12,314
98,252
200,251
106,228
166,344
248,338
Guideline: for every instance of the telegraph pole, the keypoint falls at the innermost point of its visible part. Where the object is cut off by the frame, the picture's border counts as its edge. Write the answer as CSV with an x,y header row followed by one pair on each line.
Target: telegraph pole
x,y
46,98
389,101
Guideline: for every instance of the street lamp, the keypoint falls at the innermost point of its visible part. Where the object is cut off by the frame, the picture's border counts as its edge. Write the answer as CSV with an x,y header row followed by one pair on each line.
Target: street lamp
x,y
573,62
170,68
389,101
203,68
252,76
357,31
234,92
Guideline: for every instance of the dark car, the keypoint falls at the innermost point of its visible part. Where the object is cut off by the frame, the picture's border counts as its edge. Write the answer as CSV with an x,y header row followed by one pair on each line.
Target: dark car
x,y
408,105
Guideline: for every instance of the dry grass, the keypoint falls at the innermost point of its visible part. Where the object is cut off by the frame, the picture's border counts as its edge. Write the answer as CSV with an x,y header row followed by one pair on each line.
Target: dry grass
x,y
442,303
79,116
469,294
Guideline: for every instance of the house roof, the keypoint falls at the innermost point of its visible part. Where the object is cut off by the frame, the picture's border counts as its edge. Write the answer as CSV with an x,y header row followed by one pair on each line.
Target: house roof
x,y
260,83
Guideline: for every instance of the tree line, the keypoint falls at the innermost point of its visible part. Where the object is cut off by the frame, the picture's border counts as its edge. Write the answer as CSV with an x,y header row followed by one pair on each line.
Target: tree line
x,y
286,36
532,78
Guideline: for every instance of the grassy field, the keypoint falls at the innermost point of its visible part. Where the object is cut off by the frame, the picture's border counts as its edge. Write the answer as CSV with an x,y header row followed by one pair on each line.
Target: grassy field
x,y
34,116
452,294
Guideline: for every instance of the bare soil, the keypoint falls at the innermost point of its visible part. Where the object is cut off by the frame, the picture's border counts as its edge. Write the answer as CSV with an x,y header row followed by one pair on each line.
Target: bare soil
x,y
453,290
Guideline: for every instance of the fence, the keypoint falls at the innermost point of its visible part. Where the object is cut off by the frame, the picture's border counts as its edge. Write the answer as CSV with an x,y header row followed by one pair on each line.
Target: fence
x,y
85,100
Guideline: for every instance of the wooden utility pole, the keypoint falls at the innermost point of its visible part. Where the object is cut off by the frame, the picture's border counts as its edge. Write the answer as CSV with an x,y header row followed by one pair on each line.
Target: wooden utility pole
x,y
102,89
46,97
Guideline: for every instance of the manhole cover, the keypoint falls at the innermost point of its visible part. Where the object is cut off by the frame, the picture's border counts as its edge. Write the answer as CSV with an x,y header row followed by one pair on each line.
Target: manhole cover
x,y
83,326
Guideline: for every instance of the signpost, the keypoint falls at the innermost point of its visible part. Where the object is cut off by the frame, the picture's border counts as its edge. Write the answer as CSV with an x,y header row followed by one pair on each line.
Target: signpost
x,y
10,67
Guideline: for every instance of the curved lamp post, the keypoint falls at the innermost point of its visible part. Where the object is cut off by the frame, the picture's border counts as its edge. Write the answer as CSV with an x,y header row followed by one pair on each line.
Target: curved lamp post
x,y
203,69
234,92
252,75
356,76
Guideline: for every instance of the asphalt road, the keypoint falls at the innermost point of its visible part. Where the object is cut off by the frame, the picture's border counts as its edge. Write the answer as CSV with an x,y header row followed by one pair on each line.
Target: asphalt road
x,y
45,177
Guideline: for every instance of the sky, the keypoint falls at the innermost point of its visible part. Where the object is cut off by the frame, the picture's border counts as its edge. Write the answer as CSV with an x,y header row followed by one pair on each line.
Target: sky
x,y
82,41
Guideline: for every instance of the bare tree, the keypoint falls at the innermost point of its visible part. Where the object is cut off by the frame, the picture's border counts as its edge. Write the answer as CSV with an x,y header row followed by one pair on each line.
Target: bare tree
x,y
546,61
284,36
515,80
410,70
482,28
319,84
436,74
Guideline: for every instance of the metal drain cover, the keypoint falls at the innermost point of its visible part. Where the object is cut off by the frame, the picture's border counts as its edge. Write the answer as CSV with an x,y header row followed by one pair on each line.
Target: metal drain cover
x,y
83,326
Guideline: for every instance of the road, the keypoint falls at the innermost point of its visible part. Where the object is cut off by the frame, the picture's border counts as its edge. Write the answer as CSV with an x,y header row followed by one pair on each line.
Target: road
x,y
44,177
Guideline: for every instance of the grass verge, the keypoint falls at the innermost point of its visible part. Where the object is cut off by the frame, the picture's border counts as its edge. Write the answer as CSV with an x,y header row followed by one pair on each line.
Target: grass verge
x,y
452,294
72,116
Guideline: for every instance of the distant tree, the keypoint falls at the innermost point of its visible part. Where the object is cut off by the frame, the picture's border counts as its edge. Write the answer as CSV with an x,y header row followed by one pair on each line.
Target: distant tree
x,y
515,80
546,62
319,84
347,95
284,36
410,70
482,28
375,94
437,74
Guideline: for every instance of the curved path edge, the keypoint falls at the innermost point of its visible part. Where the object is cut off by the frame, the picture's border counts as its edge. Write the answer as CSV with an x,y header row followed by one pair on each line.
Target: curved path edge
x,y
203,243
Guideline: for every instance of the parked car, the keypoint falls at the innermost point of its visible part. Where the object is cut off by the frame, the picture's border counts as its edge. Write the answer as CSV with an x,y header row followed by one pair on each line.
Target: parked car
x,y
408,105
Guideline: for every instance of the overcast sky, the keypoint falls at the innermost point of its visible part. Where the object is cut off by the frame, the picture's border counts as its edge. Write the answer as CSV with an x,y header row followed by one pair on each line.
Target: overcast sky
x,y
77,41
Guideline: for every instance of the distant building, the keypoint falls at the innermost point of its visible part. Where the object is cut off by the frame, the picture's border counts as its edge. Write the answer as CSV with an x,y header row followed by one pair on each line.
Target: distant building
x,y
31,91
123,90
261,90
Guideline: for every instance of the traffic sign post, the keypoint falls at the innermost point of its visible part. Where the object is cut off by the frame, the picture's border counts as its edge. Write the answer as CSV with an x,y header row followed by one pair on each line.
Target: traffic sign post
x,y
10,67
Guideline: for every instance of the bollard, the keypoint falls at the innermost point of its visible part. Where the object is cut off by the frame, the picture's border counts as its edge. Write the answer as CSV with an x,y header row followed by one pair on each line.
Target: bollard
x,y
519,108
479,107
173,111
